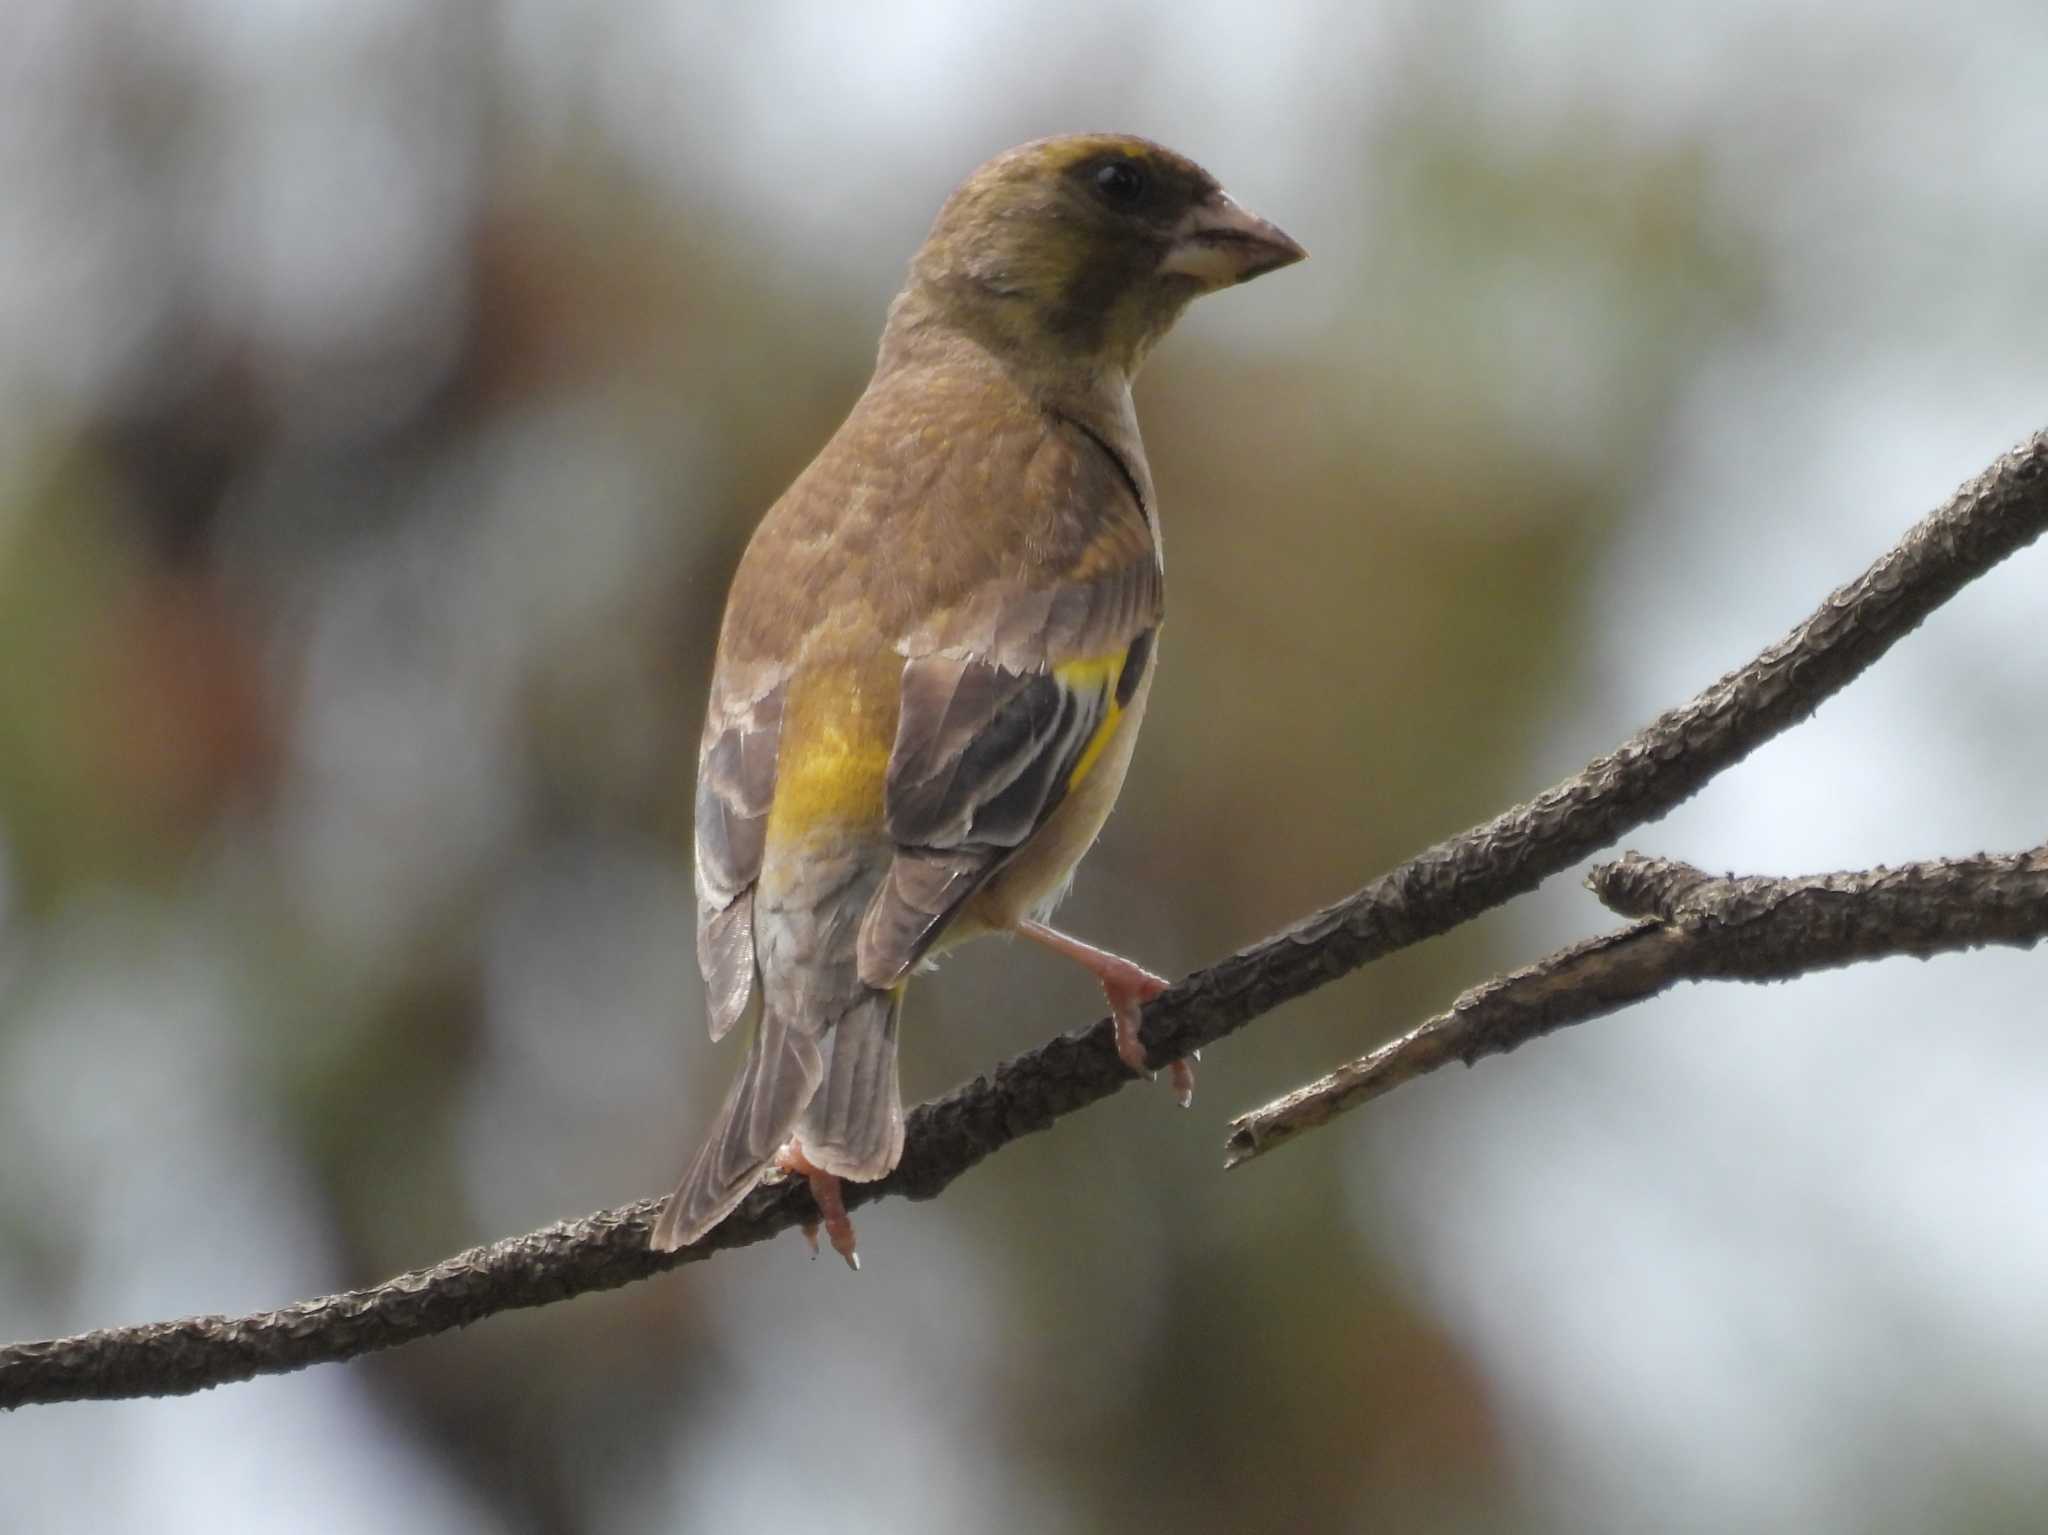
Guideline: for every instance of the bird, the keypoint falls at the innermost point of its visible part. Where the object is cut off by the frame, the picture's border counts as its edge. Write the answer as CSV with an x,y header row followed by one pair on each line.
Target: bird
x,y
936,653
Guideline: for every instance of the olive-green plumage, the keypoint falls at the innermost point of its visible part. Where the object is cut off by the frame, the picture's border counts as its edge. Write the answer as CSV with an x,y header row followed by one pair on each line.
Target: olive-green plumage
x,y
938,645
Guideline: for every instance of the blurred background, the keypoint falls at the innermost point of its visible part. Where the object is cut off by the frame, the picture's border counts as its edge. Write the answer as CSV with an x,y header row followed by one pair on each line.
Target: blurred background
x,y
387,388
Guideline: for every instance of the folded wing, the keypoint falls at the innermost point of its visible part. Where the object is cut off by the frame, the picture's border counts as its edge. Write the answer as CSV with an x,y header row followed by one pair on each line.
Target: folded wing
x,y
986,749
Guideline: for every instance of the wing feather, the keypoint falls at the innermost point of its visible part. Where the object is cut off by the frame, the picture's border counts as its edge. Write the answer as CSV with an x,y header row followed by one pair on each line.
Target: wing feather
x,y
986,749
735,787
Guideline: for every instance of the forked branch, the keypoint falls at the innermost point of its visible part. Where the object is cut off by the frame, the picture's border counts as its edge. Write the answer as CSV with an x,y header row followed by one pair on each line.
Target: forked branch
x,y
1698,928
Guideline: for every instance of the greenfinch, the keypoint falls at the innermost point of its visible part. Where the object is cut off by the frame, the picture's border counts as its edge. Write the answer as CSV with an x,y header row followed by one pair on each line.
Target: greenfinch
x,y
937,650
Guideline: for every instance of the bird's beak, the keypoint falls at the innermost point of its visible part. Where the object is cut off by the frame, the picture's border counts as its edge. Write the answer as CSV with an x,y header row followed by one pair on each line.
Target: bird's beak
x,y
1218,243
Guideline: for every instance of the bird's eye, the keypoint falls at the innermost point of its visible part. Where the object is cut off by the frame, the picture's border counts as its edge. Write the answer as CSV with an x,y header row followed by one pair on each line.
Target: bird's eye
x,y
1121,183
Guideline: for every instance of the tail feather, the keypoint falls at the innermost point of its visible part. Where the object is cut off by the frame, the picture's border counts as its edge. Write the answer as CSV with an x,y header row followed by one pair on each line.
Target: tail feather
x,y
767,1098
854,1125
836,1092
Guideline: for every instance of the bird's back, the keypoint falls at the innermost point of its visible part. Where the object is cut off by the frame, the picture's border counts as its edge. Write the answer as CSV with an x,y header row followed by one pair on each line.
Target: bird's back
x,y
948,486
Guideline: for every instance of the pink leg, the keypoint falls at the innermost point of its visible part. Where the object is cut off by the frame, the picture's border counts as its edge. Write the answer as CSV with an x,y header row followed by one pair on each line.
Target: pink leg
x,y
1128,987
825,1194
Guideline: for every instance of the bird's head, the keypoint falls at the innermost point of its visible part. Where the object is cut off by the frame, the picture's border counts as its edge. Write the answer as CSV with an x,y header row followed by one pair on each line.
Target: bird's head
x,y
1084,250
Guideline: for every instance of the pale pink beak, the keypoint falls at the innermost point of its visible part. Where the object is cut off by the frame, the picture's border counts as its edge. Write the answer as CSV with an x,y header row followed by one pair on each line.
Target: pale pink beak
x,y
1218,244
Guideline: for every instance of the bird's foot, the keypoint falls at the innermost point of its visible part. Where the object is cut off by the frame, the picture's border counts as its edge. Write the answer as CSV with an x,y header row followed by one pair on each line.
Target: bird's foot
x,y
1128,987
826,1196
1125,1006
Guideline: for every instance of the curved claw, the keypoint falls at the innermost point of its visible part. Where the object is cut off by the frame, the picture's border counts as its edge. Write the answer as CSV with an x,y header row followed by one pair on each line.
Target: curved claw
x,y
825,1194
1127,998
1128,987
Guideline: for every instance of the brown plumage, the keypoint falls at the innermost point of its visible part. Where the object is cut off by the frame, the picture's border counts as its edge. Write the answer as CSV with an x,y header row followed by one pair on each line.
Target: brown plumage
x,y
938,647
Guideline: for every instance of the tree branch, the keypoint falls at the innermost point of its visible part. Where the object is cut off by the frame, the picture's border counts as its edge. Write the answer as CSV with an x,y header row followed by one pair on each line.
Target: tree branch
x,y
1698,928
1997,513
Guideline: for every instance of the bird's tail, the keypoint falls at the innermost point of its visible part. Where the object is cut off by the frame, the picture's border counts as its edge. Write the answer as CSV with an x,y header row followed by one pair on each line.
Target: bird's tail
x,y
833,1088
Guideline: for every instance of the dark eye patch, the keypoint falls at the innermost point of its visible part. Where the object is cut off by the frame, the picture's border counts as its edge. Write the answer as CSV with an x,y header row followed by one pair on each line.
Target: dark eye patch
x,y
1130,185
1121,184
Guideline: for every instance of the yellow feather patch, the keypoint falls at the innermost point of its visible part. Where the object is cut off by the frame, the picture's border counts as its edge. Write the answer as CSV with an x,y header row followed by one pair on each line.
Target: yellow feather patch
x,y
831,777
834,759
1094,674
1062,153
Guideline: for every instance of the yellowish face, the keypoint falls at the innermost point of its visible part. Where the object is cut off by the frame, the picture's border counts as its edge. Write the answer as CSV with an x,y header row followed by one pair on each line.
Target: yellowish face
x,y
1092,245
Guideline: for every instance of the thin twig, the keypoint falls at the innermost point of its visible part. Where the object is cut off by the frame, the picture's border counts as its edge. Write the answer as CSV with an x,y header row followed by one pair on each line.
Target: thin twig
x,y
1997,513
1699,928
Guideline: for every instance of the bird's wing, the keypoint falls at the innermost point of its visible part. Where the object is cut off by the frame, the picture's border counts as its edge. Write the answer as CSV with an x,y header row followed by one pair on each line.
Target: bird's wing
x,y
993,734
735,787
